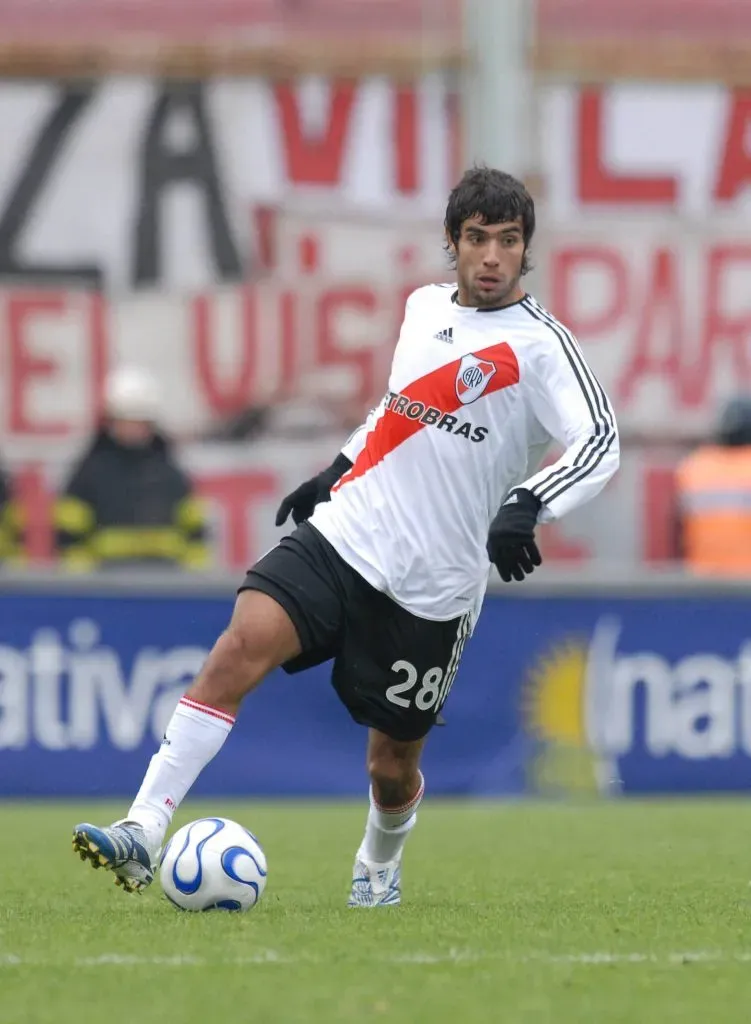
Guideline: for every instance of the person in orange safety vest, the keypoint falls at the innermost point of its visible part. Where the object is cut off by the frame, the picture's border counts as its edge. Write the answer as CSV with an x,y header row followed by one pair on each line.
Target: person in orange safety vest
x,y
714,491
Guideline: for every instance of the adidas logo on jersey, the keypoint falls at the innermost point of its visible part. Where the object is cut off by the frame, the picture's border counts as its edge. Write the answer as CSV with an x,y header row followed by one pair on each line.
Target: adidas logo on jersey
x,y
447,336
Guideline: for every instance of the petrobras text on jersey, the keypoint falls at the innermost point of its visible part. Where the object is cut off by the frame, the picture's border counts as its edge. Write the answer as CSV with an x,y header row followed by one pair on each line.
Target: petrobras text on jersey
x,y
431,416
70,690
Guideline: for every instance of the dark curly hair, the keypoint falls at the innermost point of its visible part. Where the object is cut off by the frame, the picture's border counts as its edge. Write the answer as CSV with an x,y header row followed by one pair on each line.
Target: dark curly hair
x,y
494,196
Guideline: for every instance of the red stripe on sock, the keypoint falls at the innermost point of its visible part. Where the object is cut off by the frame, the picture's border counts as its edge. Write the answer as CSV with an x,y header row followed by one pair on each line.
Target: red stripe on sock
x,y
405,807
207,709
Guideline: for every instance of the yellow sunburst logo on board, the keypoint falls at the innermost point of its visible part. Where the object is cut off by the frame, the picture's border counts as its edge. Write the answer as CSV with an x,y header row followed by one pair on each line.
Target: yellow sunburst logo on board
x,y
554,705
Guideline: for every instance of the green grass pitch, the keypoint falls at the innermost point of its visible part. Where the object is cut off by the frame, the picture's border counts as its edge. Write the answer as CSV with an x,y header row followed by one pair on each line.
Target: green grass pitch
x,y
515,913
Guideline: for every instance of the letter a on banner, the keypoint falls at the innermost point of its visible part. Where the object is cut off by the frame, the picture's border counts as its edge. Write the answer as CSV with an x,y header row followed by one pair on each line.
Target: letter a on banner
x,y
163,165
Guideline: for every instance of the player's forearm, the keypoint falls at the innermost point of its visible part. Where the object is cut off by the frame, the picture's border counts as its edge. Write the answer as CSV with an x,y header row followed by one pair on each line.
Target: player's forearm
x,y
356,441
341,465
578,476
354,444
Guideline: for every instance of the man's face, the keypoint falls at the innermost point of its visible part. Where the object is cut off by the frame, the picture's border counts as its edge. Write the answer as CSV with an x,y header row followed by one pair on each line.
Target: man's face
x,y
132,433
489,262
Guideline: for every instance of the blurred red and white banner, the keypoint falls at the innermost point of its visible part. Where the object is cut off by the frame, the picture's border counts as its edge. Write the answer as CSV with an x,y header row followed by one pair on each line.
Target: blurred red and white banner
x,y
556,19
253,243
683,150
131,183
661,308
195,19
642,19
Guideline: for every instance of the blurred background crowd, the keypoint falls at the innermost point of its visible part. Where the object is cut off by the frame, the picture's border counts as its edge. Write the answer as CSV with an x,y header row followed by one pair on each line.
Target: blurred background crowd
x,y
211,215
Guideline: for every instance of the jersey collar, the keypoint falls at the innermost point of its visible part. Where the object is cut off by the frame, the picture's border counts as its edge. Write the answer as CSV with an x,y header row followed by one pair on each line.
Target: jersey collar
x,y
486,309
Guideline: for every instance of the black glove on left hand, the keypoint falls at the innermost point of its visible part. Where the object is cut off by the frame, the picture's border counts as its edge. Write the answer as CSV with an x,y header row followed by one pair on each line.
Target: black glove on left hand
x,y
511,543
303,500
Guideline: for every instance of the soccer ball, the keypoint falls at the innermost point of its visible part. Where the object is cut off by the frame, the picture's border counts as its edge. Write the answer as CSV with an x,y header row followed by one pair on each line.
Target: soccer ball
x,y
213,864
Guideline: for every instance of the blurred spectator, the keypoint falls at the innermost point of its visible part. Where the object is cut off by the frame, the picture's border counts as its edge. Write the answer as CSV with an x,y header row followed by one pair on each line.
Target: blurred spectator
x,y
11,534
127,501
714,491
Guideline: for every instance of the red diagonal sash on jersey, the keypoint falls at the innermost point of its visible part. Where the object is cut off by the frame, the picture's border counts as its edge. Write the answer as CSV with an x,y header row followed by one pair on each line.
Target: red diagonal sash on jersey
x,y
437,388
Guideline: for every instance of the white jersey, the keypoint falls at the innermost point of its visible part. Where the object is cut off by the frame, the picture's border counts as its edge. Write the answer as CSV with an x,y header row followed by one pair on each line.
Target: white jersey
x,y
475,398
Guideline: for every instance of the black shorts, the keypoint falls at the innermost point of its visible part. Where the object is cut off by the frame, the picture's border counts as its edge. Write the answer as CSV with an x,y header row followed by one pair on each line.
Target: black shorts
x,y
392,670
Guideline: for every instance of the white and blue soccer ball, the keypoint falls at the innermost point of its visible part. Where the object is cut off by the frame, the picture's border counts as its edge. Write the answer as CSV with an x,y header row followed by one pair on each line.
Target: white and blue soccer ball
x,y
213,864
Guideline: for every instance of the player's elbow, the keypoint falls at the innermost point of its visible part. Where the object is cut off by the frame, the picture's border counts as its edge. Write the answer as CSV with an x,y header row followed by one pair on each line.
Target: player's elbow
x,y
613,455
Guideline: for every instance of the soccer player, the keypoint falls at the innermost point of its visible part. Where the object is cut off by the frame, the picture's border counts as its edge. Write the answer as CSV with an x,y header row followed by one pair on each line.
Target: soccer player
x,y
388,566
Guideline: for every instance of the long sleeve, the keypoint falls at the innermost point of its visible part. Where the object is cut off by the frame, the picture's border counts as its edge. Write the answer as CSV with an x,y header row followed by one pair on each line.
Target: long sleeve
x,y
356,441
572,407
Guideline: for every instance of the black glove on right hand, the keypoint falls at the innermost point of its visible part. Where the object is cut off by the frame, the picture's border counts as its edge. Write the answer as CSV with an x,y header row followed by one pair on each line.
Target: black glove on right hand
x,y
511,543
302,501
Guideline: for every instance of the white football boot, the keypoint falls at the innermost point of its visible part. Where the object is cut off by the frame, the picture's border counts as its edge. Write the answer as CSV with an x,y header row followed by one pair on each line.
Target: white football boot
x,y
120,848
376,885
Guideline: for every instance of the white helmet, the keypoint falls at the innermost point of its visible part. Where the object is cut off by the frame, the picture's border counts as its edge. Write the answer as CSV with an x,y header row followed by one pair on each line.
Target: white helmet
x,y
131,393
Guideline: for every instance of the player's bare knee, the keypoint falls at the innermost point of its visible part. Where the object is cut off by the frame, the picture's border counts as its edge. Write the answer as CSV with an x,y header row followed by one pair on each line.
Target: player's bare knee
x,y
231,671
260,635
258,639
247,652
241,652
393,777
393,766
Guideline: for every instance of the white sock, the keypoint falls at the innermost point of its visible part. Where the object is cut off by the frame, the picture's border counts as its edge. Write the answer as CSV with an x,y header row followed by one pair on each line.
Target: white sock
x,y
195,734
387,829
